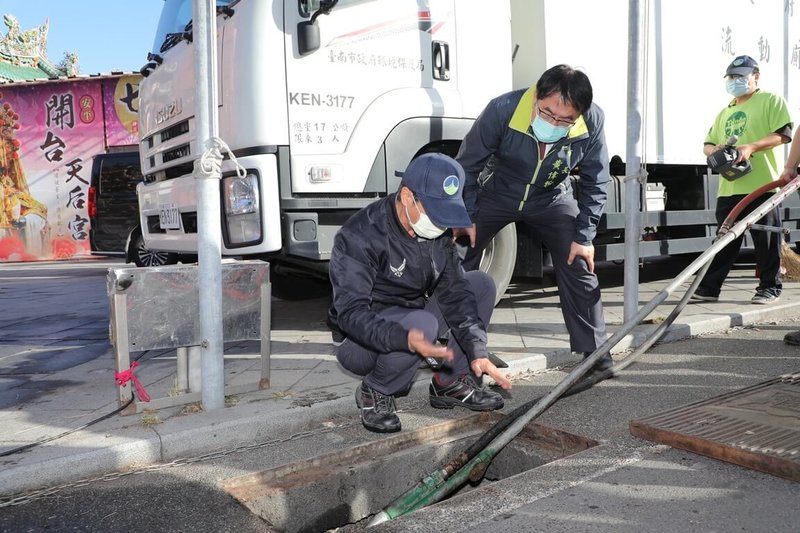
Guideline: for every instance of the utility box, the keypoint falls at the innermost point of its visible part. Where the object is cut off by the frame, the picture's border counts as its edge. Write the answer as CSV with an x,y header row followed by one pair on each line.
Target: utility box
x,y
159,308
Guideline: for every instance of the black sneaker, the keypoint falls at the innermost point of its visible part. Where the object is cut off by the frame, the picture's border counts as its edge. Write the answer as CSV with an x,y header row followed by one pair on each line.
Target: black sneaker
x,y
792,338
464,392
602,364
435,364
378,411
700,295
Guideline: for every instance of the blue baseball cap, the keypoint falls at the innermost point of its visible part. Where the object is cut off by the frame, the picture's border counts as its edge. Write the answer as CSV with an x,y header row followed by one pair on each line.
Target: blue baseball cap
x,y
438,182
742,66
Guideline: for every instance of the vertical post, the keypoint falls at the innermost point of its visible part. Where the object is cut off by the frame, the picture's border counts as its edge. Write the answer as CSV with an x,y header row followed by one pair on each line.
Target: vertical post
x,y
633,159
266,333
119,317
208,199
787,57
194,365
182,372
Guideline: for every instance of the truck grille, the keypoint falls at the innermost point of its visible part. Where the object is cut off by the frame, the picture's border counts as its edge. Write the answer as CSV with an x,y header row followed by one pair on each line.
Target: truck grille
x,y
179,152
175,131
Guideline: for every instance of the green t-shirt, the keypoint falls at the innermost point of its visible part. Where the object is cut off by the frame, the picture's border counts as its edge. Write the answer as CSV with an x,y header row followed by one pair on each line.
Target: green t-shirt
x,y
762,114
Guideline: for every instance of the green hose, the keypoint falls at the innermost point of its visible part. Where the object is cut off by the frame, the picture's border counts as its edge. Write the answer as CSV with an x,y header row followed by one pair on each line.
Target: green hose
x,y
441,483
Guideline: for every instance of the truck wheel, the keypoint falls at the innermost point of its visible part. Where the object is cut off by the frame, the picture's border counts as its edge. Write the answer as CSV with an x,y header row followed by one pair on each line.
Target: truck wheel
x,y
499,258
142,257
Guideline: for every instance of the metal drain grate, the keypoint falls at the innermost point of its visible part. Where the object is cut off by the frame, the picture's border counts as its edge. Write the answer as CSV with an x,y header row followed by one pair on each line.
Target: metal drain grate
x,y
757,427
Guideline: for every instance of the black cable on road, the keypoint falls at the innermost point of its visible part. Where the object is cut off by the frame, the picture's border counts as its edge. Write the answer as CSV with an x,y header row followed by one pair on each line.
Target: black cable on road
x,y
54,437
75,430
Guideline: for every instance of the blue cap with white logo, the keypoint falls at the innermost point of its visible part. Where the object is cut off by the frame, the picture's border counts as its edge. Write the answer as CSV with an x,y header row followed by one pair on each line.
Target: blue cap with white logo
x,y
438,181
742,66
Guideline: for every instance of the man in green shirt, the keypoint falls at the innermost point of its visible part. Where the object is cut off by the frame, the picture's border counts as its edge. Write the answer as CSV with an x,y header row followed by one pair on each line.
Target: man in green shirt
x,y
761,122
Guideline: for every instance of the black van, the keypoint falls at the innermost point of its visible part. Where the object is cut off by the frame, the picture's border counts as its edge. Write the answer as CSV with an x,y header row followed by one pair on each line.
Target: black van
x,y
114,210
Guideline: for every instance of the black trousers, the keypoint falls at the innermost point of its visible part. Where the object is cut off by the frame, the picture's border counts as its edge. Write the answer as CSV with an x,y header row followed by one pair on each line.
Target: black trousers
x,y
552,221
767,247
393,373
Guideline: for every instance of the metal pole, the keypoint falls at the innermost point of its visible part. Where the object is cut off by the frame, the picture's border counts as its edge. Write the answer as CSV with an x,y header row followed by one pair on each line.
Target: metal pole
x,y
633,161
208,200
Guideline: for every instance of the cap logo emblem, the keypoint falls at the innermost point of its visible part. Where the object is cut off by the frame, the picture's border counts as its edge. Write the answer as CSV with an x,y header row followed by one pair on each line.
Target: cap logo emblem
x,y
738,61
450,185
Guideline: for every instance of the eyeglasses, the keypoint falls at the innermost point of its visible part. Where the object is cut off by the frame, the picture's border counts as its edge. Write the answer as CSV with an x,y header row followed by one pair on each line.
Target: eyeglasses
x,y
554,119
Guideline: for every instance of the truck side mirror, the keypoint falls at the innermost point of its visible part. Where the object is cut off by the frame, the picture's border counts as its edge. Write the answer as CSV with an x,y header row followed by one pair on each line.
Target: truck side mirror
x,y
148,68
308,30
307,37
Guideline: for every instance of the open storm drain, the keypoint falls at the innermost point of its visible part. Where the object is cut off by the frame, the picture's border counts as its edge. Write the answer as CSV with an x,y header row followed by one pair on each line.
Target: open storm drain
x,y
344,489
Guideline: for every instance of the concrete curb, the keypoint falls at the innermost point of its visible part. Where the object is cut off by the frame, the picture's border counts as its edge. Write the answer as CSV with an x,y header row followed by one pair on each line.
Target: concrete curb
x,y
180,438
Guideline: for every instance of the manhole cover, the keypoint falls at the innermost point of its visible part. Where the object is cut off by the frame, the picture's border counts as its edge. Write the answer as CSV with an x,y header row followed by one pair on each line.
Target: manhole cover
x,y
343,489
757,427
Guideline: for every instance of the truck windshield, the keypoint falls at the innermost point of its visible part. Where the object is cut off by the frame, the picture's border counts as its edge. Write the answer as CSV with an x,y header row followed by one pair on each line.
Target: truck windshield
x,y
175,15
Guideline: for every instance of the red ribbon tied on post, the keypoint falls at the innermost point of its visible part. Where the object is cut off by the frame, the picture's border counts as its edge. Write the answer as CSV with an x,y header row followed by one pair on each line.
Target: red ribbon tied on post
x,y
127,375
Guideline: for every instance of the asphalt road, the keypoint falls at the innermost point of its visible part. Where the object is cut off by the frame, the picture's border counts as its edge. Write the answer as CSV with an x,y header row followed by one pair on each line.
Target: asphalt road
x,y
188,498
177,498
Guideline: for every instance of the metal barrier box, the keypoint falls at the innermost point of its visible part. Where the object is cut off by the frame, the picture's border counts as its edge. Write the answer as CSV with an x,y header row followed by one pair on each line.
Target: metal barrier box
x,y
158,308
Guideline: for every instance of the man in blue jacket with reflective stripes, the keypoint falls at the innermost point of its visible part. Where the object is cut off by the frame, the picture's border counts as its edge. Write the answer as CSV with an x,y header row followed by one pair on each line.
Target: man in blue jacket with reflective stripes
x,y
517,159
398,286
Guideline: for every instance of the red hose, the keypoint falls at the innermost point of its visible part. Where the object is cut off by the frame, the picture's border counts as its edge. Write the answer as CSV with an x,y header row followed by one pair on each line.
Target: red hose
x,y
744,202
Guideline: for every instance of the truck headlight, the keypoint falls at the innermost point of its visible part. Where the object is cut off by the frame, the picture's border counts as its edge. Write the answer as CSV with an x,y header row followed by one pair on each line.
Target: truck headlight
x,y
240,197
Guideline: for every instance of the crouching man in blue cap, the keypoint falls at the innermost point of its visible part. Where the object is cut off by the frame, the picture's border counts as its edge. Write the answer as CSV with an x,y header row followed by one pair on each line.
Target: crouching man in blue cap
x,y
398,287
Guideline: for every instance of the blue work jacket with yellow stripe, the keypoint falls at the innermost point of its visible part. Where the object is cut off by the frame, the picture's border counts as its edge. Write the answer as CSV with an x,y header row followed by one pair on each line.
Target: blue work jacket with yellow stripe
x,y
502,137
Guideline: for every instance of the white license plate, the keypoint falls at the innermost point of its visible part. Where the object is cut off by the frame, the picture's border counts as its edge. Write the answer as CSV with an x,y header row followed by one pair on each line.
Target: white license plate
x,y
169,217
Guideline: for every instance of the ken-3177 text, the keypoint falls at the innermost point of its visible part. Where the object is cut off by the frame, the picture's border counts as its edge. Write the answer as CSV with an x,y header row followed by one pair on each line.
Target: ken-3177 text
x,y
322,100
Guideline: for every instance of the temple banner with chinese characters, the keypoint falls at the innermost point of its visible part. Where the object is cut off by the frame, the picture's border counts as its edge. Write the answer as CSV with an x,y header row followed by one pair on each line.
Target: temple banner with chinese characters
x,y
49,132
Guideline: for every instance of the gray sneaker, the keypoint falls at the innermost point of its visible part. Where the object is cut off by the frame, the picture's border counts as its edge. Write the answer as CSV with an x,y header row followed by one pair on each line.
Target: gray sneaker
x,y
765,296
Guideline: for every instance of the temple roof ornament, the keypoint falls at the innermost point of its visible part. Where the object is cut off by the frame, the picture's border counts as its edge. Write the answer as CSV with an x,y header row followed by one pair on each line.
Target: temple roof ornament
x,y
23,54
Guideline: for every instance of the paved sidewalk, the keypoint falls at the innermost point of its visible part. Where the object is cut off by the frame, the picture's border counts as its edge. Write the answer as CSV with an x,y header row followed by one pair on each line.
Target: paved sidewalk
x,y
59,321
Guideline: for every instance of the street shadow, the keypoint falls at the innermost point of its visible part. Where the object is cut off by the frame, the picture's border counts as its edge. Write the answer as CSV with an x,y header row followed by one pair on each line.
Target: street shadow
x,y
159,501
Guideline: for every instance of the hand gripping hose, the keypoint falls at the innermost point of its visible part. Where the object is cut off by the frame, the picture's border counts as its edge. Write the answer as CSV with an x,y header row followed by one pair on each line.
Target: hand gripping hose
x,y
472,463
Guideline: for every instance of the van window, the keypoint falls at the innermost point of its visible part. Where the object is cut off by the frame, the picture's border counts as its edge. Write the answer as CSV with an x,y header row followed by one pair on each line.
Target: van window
x,y
120,175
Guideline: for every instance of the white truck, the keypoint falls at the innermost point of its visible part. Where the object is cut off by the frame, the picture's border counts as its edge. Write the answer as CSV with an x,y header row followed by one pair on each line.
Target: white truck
x,y
321,101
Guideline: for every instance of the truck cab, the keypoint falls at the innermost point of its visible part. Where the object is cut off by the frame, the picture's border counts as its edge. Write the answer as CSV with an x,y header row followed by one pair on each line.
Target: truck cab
x,y
319,132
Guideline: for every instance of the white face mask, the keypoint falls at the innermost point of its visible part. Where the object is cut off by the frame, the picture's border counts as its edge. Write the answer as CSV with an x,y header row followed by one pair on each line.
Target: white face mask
x,y
737,86
546,132
425,227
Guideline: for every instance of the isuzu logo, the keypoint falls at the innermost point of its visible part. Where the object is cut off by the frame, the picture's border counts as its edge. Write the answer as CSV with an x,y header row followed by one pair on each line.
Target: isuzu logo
x,y
172,109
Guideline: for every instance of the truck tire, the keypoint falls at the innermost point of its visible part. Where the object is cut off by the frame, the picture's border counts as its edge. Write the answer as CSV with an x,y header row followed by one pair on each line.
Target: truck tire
x,y
142,257
499,258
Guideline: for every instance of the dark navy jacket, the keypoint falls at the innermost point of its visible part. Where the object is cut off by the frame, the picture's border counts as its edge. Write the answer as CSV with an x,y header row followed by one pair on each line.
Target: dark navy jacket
x,y
502,137
375,264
